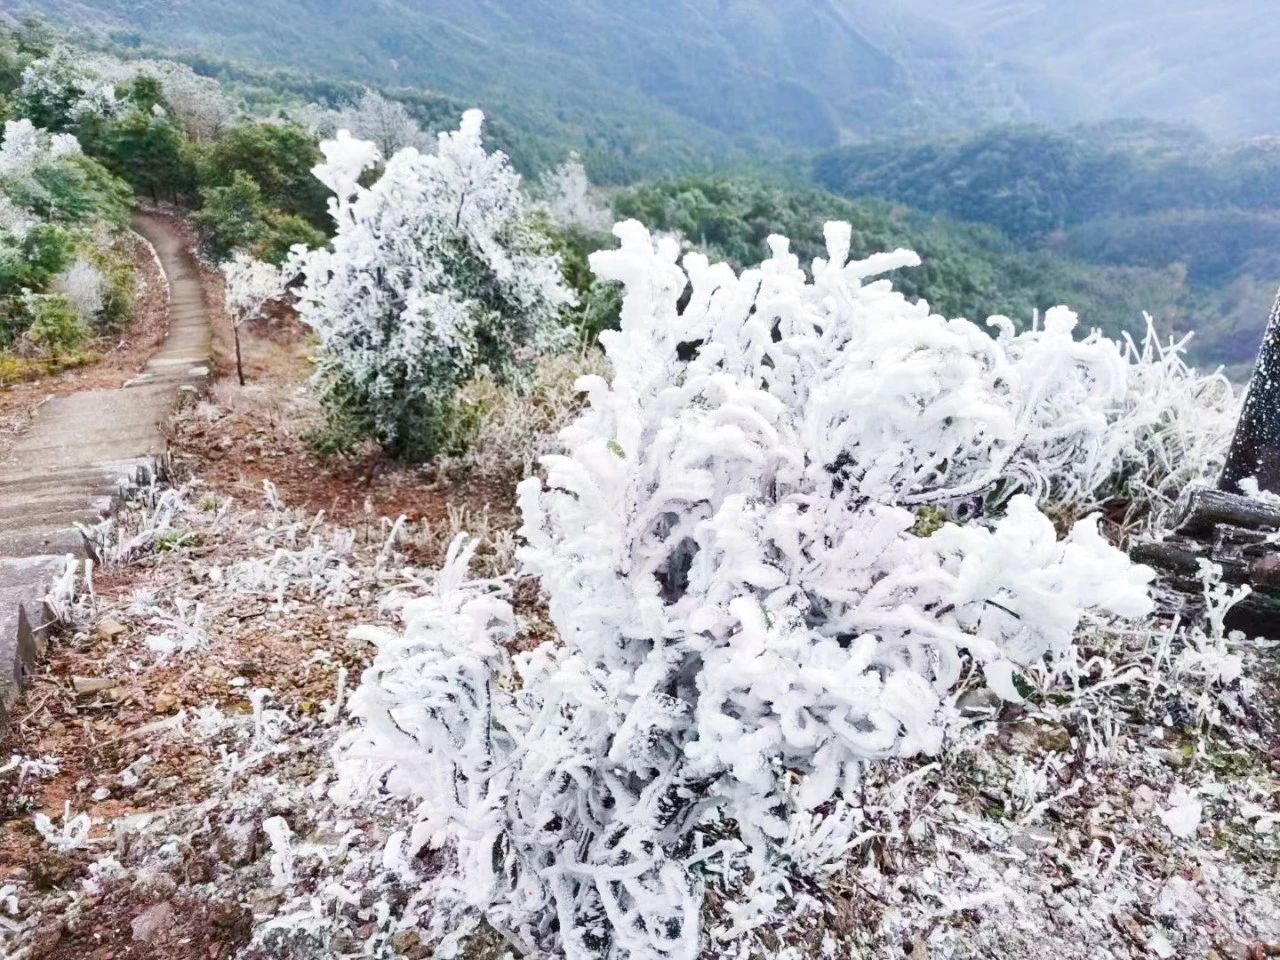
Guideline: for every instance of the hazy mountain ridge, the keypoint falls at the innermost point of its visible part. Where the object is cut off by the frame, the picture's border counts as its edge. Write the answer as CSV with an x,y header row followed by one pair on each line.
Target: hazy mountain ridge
x,y
1179,60
806,73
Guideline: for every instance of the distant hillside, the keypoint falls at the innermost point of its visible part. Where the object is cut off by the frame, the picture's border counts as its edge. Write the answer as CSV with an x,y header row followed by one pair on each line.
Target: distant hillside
x,y
1211,64
1138,195
631,79
806,73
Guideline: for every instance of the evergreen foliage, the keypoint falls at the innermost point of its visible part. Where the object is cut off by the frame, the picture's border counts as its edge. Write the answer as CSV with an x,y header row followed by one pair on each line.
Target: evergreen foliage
x,y
435,271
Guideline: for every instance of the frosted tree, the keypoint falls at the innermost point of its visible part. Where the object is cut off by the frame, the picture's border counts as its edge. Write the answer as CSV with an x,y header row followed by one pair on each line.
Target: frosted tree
x,y
571,200
434,271
752,552
384,122
21,150
198,102
250,284
59,91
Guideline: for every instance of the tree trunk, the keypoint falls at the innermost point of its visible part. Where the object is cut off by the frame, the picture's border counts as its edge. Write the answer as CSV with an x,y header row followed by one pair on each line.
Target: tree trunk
x,y
235,330
1255,450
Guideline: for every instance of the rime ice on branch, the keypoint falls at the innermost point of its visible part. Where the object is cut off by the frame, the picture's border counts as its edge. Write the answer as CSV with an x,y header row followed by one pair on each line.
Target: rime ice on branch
x,y
434,271
749,606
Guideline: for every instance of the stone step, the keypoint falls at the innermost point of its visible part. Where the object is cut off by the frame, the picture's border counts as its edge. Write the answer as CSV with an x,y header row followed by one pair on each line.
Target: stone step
x,y
68,467
25,621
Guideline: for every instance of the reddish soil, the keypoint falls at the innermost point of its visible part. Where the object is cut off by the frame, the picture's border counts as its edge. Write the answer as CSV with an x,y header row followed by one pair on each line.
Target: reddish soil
x,y
233,442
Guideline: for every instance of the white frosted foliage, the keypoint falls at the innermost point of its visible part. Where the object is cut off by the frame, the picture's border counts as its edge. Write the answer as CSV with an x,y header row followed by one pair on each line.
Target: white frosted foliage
x,y
433,271
250,283
85,288
748,603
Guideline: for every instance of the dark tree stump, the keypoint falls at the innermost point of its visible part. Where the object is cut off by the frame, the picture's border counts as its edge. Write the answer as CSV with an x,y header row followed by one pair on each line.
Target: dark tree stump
x,y
1255,449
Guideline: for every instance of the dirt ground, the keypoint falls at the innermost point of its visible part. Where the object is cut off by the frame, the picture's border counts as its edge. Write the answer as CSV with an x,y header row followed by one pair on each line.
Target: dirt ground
x,y
118,719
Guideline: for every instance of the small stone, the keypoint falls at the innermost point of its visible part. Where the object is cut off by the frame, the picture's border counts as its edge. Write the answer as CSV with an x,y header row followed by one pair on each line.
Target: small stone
x,y
409,945
405,940
1174,758
109,629
1032,840
100,794
979,703
84,686
166,702
152,921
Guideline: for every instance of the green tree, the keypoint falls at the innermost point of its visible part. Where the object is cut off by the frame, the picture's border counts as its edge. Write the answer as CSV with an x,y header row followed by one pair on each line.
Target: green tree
x,y
276,157
147,150
231,216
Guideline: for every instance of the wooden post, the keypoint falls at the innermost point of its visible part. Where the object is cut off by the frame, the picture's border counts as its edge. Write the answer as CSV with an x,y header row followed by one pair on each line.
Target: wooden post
x,y
1255,449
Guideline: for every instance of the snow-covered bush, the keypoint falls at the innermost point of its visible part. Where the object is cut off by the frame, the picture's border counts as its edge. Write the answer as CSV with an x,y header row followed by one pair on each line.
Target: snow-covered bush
x,y
26,148
1173,430
22,150
85,288
434,272
746,557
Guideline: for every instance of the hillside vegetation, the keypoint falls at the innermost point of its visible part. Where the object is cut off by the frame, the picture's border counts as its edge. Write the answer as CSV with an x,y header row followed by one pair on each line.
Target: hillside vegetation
x,y
1132,195
692,569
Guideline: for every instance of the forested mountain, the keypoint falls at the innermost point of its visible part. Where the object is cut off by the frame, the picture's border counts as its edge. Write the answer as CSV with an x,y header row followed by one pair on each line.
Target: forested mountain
x,y
1209,64
808,73
795,72
965,111
1131,194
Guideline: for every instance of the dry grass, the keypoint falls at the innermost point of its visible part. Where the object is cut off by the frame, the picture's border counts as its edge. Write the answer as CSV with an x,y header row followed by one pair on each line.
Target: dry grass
x,y
514,425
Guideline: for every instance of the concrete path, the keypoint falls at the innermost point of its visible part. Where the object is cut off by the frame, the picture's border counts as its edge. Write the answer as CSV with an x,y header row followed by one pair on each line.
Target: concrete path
x,y
69,467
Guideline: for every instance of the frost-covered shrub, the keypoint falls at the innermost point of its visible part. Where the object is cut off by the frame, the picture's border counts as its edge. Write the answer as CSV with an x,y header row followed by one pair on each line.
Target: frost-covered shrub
x,y
434,272
748,606
22,150
1172,430
85,288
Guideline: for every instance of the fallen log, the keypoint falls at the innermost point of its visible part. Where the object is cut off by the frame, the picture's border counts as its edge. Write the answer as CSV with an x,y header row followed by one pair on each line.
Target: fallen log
x,y
1223,526
1204,509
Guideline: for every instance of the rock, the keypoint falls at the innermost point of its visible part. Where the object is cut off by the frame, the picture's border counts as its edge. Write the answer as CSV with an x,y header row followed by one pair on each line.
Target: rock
x,y
404,940
153,921
85,686
166,702
109,629
1031,840
408,944
979,703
